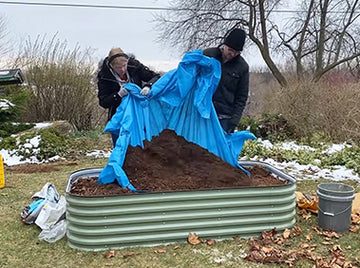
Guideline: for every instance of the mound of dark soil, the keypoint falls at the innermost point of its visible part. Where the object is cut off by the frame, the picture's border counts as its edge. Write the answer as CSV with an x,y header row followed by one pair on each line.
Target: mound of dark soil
x,y
170,163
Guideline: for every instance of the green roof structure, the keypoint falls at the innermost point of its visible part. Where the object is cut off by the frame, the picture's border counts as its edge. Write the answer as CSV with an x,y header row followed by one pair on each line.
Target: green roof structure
x,y
11,77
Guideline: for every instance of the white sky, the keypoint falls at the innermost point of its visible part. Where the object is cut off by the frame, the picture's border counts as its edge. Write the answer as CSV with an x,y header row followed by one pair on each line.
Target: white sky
x,y
98,28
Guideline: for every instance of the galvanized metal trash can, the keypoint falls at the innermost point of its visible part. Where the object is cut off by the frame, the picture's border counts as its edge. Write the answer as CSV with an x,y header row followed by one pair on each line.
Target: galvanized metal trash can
x,y
112,222
335,203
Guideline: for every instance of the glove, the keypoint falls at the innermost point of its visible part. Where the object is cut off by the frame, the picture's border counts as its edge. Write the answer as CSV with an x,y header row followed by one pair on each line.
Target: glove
x,y
123,92
145,91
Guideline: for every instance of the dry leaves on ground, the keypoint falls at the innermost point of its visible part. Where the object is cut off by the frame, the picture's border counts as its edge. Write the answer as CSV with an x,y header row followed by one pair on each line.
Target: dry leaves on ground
x,y
109,254
267,249
193,239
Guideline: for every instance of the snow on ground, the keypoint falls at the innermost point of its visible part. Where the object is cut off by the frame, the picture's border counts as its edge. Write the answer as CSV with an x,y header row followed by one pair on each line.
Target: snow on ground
x,y
300,172
5,104
42,125
293,168
11,157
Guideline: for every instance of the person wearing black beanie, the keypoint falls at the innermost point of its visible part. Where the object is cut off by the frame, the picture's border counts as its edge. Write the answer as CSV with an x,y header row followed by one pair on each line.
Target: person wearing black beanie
x,y
232,92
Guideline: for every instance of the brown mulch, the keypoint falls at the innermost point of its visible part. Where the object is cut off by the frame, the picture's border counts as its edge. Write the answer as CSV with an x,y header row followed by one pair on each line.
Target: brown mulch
x,y
170,163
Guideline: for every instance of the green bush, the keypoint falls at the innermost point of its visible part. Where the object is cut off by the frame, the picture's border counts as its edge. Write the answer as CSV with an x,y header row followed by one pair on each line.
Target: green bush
x,y
52,143
273,127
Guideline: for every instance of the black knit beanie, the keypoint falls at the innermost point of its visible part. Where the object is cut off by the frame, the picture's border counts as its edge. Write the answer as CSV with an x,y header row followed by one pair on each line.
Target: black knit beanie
x,y
235,39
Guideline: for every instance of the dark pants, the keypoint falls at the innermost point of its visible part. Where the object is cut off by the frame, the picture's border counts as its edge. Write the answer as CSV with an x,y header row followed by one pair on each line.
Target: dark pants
x,y
226,125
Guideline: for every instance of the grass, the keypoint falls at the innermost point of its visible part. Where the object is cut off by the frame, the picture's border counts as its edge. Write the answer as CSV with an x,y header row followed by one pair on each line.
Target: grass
x,y
20,246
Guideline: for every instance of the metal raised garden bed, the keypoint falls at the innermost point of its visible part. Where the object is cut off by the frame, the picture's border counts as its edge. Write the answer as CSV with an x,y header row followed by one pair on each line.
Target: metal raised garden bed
x,y
113,222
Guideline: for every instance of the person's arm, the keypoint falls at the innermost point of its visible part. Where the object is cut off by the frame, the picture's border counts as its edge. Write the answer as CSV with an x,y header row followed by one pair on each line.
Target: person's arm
x,y
146,75
107,94
240,98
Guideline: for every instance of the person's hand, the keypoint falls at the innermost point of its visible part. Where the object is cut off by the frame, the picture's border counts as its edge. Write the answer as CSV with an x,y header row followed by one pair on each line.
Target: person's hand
x,y
123,92
145,91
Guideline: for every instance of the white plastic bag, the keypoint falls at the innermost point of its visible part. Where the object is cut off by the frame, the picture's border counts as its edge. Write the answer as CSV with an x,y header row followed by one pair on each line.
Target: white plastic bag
x,y
51,213
54,233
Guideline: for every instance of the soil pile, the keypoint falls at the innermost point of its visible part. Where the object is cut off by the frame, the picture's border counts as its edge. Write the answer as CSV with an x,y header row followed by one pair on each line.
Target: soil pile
x,y
170,163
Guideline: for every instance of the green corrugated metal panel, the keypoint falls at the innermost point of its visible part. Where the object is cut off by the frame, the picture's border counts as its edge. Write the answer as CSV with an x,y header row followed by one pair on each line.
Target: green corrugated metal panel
x,y
100,223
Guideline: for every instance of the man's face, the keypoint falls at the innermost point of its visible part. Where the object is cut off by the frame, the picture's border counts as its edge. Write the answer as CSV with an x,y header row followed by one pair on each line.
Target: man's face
x,y
229,53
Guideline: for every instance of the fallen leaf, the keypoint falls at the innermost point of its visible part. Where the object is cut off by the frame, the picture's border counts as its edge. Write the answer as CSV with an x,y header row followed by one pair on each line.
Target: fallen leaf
x,y
176,247
109,254
331,234
193,239
267,249
307,202
210,242
128,254
337,247
161,250
304,245
286,233
317,230
309,237
297,230
354,228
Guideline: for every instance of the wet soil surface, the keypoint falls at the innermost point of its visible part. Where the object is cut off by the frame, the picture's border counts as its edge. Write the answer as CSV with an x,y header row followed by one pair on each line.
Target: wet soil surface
x,y
170,163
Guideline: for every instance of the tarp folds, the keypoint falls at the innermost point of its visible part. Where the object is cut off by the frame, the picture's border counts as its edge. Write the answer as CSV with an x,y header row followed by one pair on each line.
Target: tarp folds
x,y
181,100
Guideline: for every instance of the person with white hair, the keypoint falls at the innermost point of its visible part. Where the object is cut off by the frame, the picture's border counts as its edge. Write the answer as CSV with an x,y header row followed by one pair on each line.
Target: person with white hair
x,y
116,71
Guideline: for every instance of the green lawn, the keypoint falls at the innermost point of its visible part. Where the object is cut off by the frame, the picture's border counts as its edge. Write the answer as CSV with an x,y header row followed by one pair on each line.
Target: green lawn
x,y
20,246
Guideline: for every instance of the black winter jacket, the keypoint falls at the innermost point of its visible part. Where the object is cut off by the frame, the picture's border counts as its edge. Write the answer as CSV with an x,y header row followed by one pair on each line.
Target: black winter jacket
x,y
232,93
108,87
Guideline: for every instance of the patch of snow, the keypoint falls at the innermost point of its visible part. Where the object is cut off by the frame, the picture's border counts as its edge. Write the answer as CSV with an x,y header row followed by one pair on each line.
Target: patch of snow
x,y
265,143
11,158
5,104
336,148
42,125
285,145
293,146
301,172
99,154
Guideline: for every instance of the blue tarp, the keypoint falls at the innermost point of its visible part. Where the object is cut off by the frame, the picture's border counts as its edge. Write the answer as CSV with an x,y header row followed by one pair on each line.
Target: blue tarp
x,y
181,100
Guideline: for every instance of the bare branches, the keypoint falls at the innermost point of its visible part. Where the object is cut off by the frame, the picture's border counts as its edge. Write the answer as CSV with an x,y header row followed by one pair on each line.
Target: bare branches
x,y
320,36
4,43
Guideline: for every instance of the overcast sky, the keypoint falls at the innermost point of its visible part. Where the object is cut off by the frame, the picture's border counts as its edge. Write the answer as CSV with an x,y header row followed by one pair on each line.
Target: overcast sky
x,y
99,28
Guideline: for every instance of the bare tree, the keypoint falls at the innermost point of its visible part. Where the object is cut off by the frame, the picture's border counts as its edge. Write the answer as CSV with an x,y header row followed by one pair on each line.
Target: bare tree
x,y
4,48
319,36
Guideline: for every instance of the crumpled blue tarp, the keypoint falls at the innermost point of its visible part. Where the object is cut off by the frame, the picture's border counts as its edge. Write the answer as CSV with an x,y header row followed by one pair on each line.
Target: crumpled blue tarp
x,y
181,100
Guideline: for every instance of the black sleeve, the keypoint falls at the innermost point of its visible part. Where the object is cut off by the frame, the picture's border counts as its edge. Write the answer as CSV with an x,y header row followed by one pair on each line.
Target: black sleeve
x,y
107,94
146,75
241,97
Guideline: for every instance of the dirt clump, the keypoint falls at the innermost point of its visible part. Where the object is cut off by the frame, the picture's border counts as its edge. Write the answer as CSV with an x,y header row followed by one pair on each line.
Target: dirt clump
x,y
171,163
